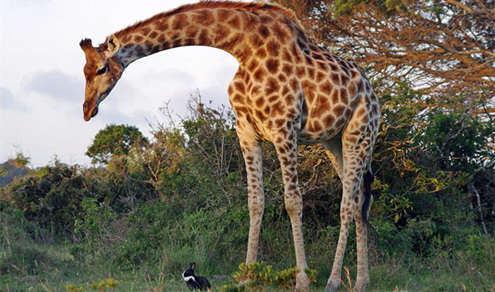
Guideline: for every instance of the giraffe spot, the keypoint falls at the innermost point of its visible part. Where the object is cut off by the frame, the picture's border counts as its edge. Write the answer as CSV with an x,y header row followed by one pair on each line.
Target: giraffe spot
x,y
153,35
161,38
235,23
262,53
177,43
279,32
164,46
259,102
316,56
255,90
138,38
223,14
350,139
336,79
179,21
294,84
230,43
260,115
300,70
273,47
266,111
203,17
325,88
238,99
352,90
263,31
289,99
145,31
308,59
161,25
328,121
272,65
281,77
221,33
360,85
189,42
239,86
278,108
279,123
320,76
287,56
316,126
272,99
340,123
311,73
285,90
339,110
345,79
287,69
252,65
360,112
322,106
356,101
173,35
344,97
322,65
204,37
191,31
259,74
139,50
272,86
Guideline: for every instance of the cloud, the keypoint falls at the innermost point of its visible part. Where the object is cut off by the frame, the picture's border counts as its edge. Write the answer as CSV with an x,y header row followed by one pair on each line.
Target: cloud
x,y
56,85
8,101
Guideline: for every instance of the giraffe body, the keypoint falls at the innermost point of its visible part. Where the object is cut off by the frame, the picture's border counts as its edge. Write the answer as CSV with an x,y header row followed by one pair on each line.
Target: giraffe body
x,y
287,90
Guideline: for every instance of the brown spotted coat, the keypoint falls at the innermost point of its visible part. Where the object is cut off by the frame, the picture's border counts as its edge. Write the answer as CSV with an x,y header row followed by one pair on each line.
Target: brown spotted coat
x,y
287,91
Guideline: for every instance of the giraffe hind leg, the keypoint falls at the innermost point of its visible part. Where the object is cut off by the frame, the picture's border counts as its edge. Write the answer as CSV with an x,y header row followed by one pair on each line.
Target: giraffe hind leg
x,y
352,160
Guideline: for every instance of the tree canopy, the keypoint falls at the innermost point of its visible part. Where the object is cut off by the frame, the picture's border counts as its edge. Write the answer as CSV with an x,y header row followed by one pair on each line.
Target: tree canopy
x,y
115,140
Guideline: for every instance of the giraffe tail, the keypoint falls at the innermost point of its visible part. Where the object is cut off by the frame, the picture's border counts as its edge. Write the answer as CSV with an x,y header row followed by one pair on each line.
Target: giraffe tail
x,y
368,198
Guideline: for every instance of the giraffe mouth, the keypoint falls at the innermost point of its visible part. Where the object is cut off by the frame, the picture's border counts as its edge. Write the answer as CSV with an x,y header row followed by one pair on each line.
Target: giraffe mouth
x,y
90,110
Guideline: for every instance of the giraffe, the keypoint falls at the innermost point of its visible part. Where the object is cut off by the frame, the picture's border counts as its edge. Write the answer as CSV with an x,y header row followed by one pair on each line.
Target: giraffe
x,y
287,90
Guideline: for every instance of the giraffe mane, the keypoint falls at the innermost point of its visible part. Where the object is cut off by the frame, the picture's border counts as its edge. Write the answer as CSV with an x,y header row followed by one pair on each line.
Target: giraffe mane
x,y
207,4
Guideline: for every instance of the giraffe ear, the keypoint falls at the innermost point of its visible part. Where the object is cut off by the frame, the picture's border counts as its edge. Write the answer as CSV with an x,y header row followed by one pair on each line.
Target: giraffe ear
x,y
113,45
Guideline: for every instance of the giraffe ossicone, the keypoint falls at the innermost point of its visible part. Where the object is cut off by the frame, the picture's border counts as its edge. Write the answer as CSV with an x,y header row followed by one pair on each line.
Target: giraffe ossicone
x,y
287,90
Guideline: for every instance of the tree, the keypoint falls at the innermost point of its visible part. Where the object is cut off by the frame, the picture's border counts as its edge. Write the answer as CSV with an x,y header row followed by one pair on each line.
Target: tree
x,y
115,140
440,46
433,64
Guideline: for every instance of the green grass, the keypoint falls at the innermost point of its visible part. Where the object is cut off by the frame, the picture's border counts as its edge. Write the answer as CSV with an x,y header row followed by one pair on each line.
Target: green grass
x,y
59,269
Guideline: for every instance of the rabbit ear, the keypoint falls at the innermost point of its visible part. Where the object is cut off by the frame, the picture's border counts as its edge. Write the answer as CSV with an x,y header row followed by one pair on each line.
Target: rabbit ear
x,y
192,266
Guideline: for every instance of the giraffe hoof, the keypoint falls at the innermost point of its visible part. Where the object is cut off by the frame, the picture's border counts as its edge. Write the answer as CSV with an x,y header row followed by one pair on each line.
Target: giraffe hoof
x,y
302,281
333,285
361,284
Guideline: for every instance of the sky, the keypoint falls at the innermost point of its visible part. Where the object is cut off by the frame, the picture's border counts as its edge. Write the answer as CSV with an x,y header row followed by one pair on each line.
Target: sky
x,y
42,81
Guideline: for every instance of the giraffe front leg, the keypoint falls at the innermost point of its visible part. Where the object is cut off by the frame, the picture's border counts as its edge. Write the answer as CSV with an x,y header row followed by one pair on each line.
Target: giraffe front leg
x,y
287,154
256,197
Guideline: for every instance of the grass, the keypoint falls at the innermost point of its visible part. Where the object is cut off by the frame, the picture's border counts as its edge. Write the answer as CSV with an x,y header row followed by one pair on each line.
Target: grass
x,y
61,271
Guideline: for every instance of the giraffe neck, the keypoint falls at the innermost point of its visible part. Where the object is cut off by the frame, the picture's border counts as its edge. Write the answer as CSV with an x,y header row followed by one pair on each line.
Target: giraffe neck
x,y
240,32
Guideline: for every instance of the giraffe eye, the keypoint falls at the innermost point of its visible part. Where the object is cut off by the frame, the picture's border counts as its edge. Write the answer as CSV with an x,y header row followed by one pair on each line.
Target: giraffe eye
x,y
102,70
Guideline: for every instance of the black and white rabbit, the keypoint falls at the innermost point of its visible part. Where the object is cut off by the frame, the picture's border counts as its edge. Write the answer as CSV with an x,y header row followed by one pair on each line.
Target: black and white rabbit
x,y
193,281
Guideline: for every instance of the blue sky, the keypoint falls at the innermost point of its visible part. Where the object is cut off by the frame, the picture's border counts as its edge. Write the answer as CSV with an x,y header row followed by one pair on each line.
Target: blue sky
x,y
42,84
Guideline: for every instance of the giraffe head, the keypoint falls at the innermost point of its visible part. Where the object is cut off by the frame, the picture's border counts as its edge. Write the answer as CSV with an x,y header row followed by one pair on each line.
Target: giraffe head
x,y
102,71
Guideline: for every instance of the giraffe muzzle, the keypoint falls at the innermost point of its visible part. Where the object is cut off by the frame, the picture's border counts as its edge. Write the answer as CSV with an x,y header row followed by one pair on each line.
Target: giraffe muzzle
x,y
89,110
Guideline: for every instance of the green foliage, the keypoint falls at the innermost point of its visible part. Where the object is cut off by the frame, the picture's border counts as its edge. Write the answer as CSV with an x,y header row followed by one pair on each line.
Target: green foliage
x,y
115,140
259,277
182,198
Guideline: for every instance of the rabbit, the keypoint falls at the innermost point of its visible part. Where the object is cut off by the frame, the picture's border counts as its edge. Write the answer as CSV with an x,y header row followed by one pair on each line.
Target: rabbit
x,y
193,281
